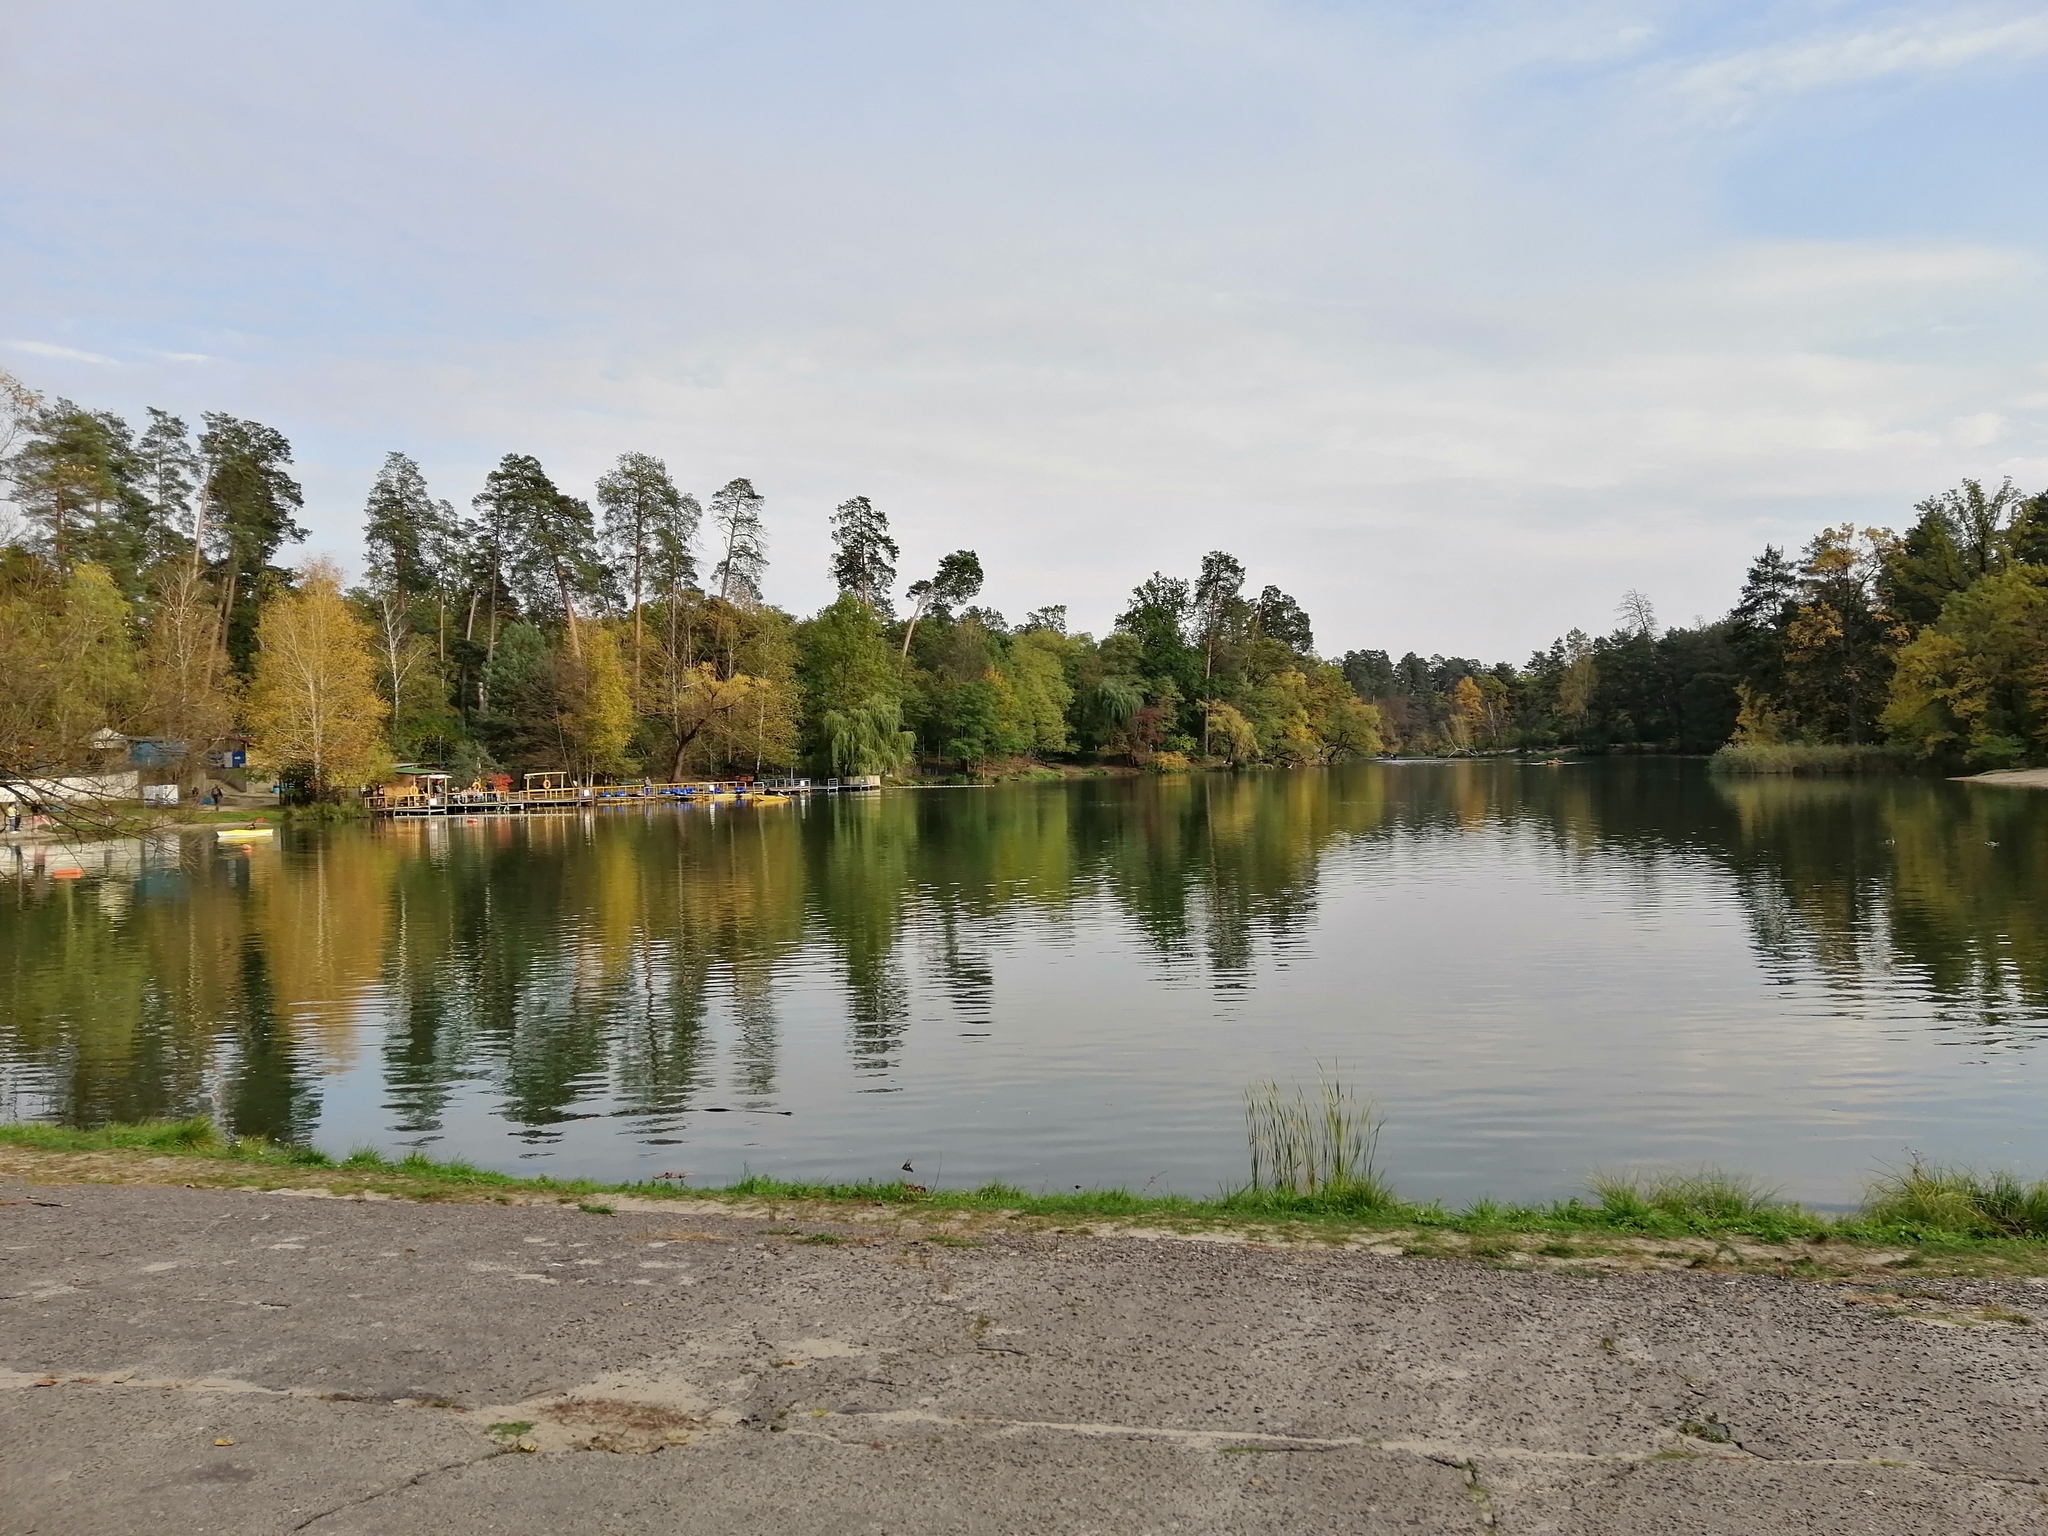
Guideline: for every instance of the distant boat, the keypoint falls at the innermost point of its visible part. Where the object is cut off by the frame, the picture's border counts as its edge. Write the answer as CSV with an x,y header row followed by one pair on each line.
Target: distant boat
x,y
242,834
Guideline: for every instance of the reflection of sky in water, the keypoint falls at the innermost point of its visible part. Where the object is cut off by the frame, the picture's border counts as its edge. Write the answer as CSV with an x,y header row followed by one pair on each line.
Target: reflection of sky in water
x,y
1532,972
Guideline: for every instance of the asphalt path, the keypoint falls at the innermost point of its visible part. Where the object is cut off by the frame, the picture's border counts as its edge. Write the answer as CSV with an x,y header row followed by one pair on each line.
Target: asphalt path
x,y
185,1360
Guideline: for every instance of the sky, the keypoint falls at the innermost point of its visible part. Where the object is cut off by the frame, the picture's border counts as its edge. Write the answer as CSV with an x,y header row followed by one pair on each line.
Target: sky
x,y
1455,320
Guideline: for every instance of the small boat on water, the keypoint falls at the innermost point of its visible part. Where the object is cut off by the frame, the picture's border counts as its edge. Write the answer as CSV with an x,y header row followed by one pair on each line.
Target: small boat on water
x,y
767,799
242,834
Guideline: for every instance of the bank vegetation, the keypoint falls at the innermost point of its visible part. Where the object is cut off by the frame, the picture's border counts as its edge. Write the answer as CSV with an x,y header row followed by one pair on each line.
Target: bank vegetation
x,y
145,593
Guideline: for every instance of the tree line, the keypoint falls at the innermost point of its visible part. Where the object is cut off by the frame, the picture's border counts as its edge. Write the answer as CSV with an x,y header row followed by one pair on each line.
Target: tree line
x,y
143,589
1934,641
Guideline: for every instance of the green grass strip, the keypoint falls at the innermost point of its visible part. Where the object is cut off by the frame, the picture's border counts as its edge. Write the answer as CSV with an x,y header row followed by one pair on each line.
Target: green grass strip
x,y
1937,1212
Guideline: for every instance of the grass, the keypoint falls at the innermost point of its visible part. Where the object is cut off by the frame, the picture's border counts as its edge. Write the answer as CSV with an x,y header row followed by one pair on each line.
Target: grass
x,y
1706,1198
1925,1218
1930,1198
1806,758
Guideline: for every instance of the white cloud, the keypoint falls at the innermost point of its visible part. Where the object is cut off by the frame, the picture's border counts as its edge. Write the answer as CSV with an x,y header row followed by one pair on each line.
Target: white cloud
x,y
1434,316
60,354
1739,82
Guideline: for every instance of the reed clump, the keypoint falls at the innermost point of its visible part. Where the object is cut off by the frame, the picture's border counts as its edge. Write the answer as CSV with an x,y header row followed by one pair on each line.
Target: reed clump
x,y
1806,758
1929,1197
1317,1153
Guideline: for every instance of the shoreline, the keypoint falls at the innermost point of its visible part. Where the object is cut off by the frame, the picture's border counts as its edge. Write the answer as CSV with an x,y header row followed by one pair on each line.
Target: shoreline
x,y
1619,1231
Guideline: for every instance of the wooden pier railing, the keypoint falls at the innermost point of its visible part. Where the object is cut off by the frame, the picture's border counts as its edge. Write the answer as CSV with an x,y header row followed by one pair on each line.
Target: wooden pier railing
x,y
436,799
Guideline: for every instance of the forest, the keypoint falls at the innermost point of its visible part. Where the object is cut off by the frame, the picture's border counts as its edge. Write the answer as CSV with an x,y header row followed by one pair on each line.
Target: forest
x,y
146,589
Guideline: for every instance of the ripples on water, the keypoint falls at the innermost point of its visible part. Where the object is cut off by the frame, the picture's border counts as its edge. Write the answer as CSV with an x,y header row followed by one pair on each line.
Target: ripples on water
x,y
1533,971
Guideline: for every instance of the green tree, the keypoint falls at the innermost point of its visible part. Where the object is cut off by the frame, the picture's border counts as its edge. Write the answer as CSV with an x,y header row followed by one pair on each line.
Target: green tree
x,y
1344,725
1226,730
1035,677
551,541
1577,681
408,536
1974,684
70,668
846,657
743,537
1282,618
957,580
167,473
1837,657
76,477
863,555
650,530
1215,603
597,724
1156,619
248,501
867,737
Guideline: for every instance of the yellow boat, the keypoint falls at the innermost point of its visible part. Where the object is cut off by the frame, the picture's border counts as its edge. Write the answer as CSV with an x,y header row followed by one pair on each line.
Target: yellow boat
x,y
767,799
242,834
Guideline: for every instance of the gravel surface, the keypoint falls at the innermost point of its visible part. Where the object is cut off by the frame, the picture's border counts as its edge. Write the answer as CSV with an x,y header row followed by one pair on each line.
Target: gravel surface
x,y
226,1361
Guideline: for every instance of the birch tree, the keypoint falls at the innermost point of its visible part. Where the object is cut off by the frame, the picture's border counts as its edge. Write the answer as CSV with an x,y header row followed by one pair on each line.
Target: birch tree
x,y
314,708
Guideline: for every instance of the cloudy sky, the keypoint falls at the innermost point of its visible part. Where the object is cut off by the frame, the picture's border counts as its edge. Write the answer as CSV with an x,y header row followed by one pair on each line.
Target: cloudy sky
x,y
1454,319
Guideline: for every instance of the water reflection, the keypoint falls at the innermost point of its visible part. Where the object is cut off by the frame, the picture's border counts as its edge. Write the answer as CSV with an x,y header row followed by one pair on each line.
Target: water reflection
x,y
1168,939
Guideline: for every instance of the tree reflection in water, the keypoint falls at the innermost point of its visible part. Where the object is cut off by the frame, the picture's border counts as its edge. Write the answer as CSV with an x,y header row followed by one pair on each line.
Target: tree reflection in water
x,y
638,964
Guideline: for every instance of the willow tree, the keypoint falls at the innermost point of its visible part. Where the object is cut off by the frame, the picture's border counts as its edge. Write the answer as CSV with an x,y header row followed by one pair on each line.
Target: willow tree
x,y
867,737
314,707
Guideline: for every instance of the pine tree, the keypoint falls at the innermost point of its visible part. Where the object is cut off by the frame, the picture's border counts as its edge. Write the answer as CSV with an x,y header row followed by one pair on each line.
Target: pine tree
x,y
864,556
957,580
76,477
1215,601
248,500
408,536
650,529
168,468
1281,618
736,510
547,543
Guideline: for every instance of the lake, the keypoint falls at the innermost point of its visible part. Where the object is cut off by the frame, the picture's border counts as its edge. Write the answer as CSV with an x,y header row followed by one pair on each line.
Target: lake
x,y
1532,972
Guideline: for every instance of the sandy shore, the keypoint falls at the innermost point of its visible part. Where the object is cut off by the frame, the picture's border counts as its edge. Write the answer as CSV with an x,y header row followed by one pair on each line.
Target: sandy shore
x,y
2022,778
235,1361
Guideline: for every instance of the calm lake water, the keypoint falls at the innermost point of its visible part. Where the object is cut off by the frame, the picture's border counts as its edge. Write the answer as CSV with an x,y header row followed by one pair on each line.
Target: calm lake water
x,y
1534,972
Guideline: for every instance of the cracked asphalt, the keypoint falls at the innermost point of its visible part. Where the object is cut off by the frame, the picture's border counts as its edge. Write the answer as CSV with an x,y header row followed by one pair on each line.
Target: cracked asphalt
x,y
228,1361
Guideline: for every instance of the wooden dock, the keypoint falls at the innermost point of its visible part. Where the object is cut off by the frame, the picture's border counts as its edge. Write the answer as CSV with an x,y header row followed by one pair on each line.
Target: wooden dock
x,y
432,794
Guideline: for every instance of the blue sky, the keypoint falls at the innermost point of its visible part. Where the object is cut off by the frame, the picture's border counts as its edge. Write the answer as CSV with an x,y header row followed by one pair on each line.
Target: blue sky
x,y
1455,320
